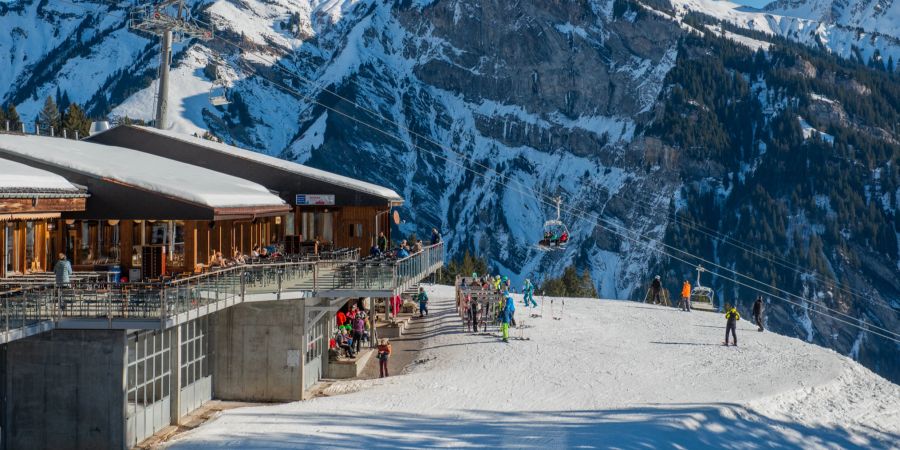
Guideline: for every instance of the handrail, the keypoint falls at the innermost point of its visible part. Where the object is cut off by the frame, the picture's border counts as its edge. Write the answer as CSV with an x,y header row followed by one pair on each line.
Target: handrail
x,y
172,300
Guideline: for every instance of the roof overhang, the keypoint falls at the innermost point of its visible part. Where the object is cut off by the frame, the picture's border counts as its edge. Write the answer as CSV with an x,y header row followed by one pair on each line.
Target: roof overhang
x,y
28,216
249,213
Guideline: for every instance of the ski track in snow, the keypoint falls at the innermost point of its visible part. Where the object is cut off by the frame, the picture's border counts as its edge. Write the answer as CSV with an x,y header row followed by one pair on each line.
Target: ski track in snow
x,y
609,374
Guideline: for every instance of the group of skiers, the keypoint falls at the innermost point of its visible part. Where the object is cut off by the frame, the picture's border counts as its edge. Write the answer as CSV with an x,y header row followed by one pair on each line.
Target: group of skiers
x,y
731,313
501,286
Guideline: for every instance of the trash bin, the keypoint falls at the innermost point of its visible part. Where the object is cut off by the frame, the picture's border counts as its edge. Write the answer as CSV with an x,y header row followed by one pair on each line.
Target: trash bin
x,y
114,275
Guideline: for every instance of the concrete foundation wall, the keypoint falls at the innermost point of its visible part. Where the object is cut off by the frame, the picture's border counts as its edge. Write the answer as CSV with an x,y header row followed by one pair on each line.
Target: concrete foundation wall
x,y
64,390
256,352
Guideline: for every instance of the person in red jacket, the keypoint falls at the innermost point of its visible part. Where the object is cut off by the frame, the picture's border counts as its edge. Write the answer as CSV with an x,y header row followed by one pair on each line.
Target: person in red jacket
x,y
341,318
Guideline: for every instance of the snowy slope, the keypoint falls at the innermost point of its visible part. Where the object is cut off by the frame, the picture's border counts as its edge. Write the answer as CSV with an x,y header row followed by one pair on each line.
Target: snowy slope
x,y
609,374
843,38
882,16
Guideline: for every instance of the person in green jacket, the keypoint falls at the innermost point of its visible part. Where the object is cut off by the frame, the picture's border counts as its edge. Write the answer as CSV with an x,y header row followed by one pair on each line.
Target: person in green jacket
x,y
423,302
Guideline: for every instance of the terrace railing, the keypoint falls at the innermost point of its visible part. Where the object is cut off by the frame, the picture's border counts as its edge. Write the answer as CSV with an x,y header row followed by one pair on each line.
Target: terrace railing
x,y
29,310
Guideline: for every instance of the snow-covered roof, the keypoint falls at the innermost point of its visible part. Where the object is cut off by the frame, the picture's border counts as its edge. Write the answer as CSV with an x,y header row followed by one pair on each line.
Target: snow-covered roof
x,y
300,169
20,178
142,170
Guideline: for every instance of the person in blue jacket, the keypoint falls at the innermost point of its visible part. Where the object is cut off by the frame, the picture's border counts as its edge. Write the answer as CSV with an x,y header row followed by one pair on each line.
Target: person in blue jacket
x,y
528,290
423,302
506,316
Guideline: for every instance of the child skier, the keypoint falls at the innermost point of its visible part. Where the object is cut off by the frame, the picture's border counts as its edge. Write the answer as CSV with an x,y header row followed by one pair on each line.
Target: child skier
x,y
384,352
506,316
423,302
528,290
732,316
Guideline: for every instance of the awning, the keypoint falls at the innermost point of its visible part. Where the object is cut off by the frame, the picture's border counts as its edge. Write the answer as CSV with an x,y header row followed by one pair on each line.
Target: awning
x,y
28,216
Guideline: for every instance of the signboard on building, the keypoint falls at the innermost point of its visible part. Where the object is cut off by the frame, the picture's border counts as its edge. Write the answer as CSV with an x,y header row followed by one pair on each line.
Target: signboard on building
x,y
314,199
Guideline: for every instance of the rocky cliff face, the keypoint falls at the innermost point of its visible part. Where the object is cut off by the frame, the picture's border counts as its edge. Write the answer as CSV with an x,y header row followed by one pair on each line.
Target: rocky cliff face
x,y
467,108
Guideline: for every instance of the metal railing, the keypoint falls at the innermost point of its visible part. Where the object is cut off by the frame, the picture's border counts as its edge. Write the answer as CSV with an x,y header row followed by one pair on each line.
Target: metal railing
x,y
173,301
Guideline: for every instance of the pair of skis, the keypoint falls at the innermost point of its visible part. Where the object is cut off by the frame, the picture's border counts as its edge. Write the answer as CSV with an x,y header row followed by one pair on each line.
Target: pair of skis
x,y
562,310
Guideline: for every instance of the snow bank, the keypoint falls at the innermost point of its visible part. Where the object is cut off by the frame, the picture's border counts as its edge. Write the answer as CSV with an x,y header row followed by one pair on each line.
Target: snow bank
x,y
143,170
18,176
609,374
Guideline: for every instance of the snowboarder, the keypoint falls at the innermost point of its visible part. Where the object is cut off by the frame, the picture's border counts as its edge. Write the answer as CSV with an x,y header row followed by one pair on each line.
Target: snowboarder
x,y
686,296
384,352
655,289
757,312
423,302
732,316
528,291
506,316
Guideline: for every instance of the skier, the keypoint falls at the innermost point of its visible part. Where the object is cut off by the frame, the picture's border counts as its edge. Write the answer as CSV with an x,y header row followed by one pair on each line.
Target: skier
x,y
686,296
506,315
732,316
757,312
528,290
423,302
506,286
497,283
655,289
384,352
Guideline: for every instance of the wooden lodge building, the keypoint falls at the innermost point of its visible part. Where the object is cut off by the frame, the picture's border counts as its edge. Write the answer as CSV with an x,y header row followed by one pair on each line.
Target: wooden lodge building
x,y
328,208
148,213
31,202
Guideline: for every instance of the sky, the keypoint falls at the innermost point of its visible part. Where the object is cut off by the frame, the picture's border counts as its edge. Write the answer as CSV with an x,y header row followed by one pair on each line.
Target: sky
x,y
754,3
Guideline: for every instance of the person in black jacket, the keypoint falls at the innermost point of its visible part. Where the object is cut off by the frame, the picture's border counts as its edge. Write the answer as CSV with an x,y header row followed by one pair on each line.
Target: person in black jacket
x,y
655,289
757,312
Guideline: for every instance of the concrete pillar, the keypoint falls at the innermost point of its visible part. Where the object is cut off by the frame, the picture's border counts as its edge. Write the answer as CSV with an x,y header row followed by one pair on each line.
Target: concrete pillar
x,y
64,389
257,352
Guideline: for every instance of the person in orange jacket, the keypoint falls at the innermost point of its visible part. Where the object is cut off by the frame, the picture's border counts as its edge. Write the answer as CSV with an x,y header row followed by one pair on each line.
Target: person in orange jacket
x,y
686,296
384,352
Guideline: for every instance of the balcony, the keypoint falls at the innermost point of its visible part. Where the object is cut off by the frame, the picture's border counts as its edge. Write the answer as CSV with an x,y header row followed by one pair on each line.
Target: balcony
x,y
92,303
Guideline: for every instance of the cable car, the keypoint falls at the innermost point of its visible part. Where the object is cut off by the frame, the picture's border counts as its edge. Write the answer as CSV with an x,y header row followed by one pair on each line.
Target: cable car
x,y
702,297
218,92
556,234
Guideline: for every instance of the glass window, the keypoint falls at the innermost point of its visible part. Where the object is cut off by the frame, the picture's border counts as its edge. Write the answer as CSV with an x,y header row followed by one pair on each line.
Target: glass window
x,y
10,248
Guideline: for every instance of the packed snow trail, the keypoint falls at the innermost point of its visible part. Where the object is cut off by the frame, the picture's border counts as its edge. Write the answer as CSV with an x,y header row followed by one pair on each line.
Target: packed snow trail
x,y
609,374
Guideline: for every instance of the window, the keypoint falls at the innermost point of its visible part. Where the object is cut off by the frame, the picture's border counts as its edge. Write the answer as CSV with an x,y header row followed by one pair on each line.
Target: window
x,y
317,225
194,348
147,374
354,230
11,254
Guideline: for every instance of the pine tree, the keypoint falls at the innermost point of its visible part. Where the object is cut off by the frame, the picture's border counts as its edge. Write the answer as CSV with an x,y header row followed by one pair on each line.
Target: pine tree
x,y
12,116
49,115
76,120
890,65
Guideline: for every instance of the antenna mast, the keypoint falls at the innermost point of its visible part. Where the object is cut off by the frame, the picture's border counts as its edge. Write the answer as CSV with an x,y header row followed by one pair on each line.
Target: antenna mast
x,y
159,19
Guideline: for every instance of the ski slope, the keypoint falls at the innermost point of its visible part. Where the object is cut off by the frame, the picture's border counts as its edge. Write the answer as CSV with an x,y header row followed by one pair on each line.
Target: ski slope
x,y
609,374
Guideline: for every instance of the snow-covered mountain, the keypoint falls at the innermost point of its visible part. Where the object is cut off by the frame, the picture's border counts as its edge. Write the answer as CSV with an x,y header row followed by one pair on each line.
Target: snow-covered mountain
x,y
857,34
583,99
608,375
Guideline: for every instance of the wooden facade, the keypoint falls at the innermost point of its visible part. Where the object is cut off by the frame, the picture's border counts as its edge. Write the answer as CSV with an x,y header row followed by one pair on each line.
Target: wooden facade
x,y
188,245
26,225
